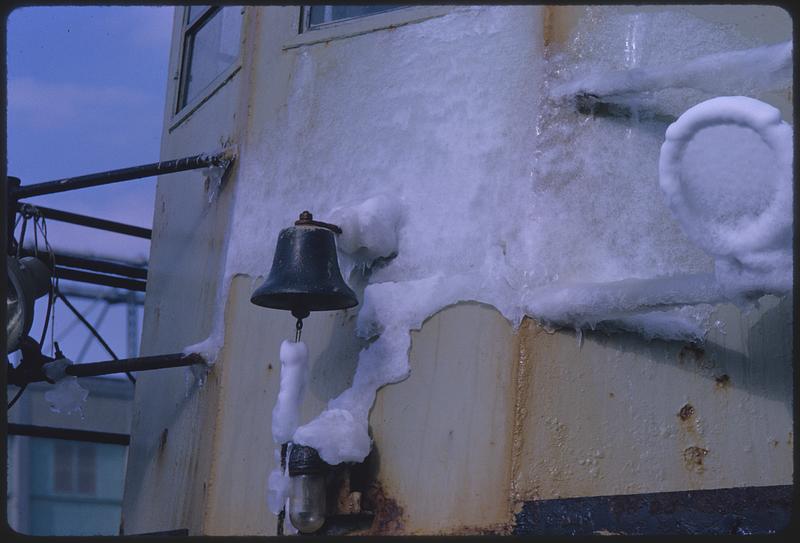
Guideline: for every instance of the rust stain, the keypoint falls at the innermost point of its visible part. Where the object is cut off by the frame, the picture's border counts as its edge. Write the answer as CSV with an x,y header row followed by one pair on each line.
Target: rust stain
x,y
388,513
347,500
547,24
527,330
558,23
722,381
693,458
162,441
686,412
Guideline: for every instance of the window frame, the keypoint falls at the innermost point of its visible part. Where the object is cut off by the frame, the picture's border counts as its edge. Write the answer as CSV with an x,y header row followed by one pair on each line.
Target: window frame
x,y
74,468
181,106
305,18
356,26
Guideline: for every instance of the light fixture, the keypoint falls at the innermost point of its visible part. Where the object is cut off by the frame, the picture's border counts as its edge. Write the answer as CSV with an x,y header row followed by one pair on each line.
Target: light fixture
x,y
28,280
307,504
305,277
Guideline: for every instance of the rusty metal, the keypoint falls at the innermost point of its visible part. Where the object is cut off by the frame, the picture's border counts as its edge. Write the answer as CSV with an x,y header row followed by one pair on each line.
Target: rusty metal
x,y
596,106
84,220
223,158
32,371
144,363
686,412
70,434
693,458
125,269
101,279
388,514
307,219
722,381
347,524
744,510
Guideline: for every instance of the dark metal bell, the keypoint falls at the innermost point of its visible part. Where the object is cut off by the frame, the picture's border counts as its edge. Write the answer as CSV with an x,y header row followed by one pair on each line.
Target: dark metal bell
x,y
305,273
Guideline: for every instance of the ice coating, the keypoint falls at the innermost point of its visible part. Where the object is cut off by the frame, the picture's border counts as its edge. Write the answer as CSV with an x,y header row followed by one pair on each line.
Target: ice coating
x,y
56,370
369,231
726,171
509,198
294,372
210,347
277,490
587,304
66,396
686,323
286,415
766,67
751,146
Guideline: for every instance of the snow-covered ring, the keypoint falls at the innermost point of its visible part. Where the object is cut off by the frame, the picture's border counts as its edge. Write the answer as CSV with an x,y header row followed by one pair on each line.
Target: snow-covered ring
x,y
770,226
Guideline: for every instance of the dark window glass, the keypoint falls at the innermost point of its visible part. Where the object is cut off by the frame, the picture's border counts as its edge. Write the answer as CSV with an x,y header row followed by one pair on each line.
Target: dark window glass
x,y
63,460
87,468
326,14
210,47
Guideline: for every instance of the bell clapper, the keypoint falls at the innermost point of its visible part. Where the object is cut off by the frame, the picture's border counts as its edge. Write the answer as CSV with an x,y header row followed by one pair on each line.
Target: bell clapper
x,y
298,330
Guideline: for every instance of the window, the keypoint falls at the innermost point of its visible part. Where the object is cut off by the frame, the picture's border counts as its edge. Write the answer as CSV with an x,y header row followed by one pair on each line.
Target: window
x,y
87,468
62,466
74,467
315,16
211,36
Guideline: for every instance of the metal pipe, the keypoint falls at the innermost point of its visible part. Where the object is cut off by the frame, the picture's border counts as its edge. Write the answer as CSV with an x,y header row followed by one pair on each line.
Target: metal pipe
x,y
143,363
107,296
68,433
92,222
91,264
589,104
124,174
100,279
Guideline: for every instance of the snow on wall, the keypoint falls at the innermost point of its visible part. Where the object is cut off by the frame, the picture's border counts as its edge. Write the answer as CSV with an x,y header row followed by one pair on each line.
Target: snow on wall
x,y
492,191
767,67
726,171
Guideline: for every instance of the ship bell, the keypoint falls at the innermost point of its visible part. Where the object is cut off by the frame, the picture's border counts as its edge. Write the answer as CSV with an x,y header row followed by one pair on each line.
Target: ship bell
x,y
305,273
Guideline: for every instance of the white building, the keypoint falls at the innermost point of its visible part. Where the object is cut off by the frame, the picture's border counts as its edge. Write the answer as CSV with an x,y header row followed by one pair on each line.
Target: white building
x,y
67,487
504,196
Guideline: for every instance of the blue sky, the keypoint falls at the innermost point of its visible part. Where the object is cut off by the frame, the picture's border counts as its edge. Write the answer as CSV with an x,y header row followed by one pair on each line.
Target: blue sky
x,y
86,90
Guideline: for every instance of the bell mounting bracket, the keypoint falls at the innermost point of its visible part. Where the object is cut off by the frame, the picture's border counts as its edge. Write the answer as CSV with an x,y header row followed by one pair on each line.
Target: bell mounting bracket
x,y
306,219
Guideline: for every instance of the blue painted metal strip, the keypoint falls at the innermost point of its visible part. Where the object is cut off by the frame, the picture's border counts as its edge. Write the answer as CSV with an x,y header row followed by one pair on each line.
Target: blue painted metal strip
x,y
745,510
